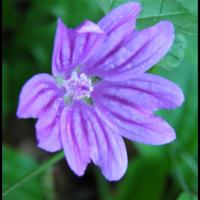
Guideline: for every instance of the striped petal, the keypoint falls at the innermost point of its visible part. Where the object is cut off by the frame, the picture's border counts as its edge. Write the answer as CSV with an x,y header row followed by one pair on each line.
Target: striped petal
x,y
118,24
129,107
48,128
122,17
153,131
146,93
138,53
74,47
85,137
74,139
107,149
37,96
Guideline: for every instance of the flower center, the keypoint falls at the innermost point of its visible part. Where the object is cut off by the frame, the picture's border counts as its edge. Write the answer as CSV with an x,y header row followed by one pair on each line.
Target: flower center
x,y
78,87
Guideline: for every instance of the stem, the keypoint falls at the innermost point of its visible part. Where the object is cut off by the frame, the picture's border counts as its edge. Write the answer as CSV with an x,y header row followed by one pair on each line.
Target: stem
x,y
35,172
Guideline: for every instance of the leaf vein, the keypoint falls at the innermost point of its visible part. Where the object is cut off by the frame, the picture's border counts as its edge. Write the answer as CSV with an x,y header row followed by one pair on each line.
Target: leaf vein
x,y
163,15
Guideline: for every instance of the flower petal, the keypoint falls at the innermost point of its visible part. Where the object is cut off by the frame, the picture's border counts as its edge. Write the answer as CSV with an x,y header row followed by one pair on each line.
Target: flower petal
x,y
145,93
129,107
137,54
74,139
37,96
107,149
74,47
121,17
153,131
48,128
118,24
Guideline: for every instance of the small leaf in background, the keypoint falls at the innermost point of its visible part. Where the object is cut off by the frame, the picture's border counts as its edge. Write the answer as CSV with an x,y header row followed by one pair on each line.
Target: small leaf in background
x,y
186,196
16,165
190,163
176,53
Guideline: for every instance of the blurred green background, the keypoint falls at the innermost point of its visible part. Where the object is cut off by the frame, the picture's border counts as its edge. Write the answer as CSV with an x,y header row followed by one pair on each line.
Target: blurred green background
x,y
166,172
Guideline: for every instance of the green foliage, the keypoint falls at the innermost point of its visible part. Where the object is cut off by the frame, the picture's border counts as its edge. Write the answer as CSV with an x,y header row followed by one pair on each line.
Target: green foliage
x,y
156,10
186,196
16,165
145,179
191,6
183,152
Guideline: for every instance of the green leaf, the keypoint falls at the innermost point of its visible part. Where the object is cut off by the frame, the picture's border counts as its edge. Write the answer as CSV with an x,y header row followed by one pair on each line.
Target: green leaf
x,y
105,5
176,53
156,10
186,196
117,3
190,162
144,179
15,165
190,5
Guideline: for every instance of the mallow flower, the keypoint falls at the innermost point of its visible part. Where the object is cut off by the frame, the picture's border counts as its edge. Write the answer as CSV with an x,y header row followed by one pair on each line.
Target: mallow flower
x,y
100,92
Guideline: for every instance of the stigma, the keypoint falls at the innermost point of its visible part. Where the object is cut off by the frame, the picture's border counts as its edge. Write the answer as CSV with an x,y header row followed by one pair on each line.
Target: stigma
x,y
78,86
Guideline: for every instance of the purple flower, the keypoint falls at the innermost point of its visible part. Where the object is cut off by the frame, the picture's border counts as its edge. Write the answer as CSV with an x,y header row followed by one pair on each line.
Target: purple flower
x,y
100,91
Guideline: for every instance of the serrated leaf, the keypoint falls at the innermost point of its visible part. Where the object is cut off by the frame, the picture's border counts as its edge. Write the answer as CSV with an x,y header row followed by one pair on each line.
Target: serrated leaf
x,y
176,53
156,10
